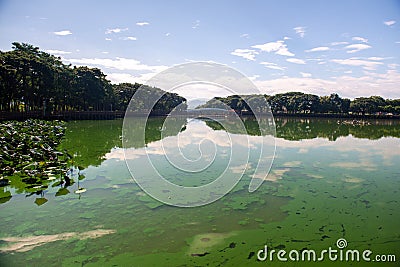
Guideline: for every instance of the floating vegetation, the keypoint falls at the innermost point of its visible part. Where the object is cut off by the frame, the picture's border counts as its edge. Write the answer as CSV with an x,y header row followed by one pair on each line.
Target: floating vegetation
x,y
30,160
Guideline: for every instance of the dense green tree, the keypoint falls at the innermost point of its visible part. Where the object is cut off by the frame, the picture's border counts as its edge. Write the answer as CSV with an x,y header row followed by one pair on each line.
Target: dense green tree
x,y
334,104
368,105
33,80
300,103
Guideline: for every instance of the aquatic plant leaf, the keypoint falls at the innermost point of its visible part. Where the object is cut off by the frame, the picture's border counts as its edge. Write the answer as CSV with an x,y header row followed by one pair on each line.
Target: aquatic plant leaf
x,y
40,201
62,192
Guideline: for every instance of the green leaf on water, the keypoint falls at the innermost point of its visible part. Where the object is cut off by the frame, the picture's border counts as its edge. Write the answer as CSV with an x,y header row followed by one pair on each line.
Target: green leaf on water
x,y
40,201
62,192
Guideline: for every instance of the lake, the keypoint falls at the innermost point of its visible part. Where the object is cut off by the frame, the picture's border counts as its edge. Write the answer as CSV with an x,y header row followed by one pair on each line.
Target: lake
x,y
330,179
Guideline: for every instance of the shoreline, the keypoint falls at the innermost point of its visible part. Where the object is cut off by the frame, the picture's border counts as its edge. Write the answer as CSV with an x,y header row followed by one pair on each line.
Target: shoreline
x,y
111,115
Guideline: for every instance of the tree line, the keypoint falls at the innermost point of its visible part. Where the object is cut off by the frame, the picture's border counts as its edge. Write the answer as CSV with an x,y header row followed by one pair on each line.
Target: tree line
x,y
297,102
33,80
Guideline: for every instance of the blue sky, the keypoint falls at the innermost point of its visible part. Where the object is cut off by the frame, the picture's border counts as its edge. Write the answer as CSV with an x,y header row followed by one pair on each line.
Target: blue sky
x,y
348,47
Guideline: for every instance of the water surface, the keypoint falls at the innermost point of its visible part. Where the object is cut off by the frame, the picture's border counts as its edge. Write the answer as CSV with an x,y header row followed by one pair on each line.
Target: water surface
x,y
329,180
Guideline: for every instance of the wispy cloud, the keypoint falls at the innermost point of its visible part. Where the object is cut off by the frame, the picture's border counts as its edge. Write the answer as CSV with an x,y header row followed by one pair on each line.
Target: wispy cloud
x,y
296,60
108,39
353,48
115,30
389,22
57,52
168,34
143,23
318,49
305,74
279,47
118,63
129,38
345,86
130,78
360,39
301,31
196,24
376,58
366,64
244,35
339,43
248,54
271,65
63,33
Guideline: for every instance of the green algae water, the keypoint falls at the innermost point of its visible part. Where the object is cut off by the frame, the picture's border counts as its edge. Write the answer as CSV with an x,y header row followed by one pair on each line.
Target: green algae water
x,y
330,179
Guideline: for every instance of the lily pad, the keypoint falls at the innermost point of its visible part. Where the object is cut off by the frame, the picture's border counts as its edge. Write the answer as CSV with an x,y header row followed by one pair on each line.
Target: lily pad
x,y
40,201
62,192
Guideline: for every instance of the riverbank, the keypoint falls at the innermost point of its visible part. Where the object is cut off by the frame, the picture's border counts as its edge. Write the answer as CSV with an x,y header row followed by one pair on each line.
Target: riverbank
x,y
64,115
110,115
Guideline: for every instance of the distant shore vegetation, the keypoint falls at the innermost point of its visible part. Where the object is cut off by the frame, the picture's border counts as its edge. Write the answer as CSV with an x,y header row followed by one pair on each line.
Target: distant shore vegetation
x,y
302,103
33,80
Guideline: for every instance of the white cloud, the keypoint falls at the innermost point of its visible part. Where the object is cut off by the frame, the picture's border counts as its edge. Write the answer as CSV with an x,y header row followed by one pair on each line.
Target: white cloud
x,y
346,86
118,63
122,78
168,34
339,43
129,38
376,58
389,22
366,64
144,23
254,77
63,33
108,39
115,30
305,74
300,31
279,47
271,65
244,35
196,24
360,39
57,52
353,48
296,60
318,49
248,54
286,38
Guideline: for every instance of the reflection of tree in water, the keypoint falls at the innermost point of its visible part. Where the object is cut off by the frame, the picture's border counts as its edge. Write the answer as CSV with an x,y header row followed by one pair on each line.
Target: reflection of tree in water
x,y
152,129
85,143
298,129
88,141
